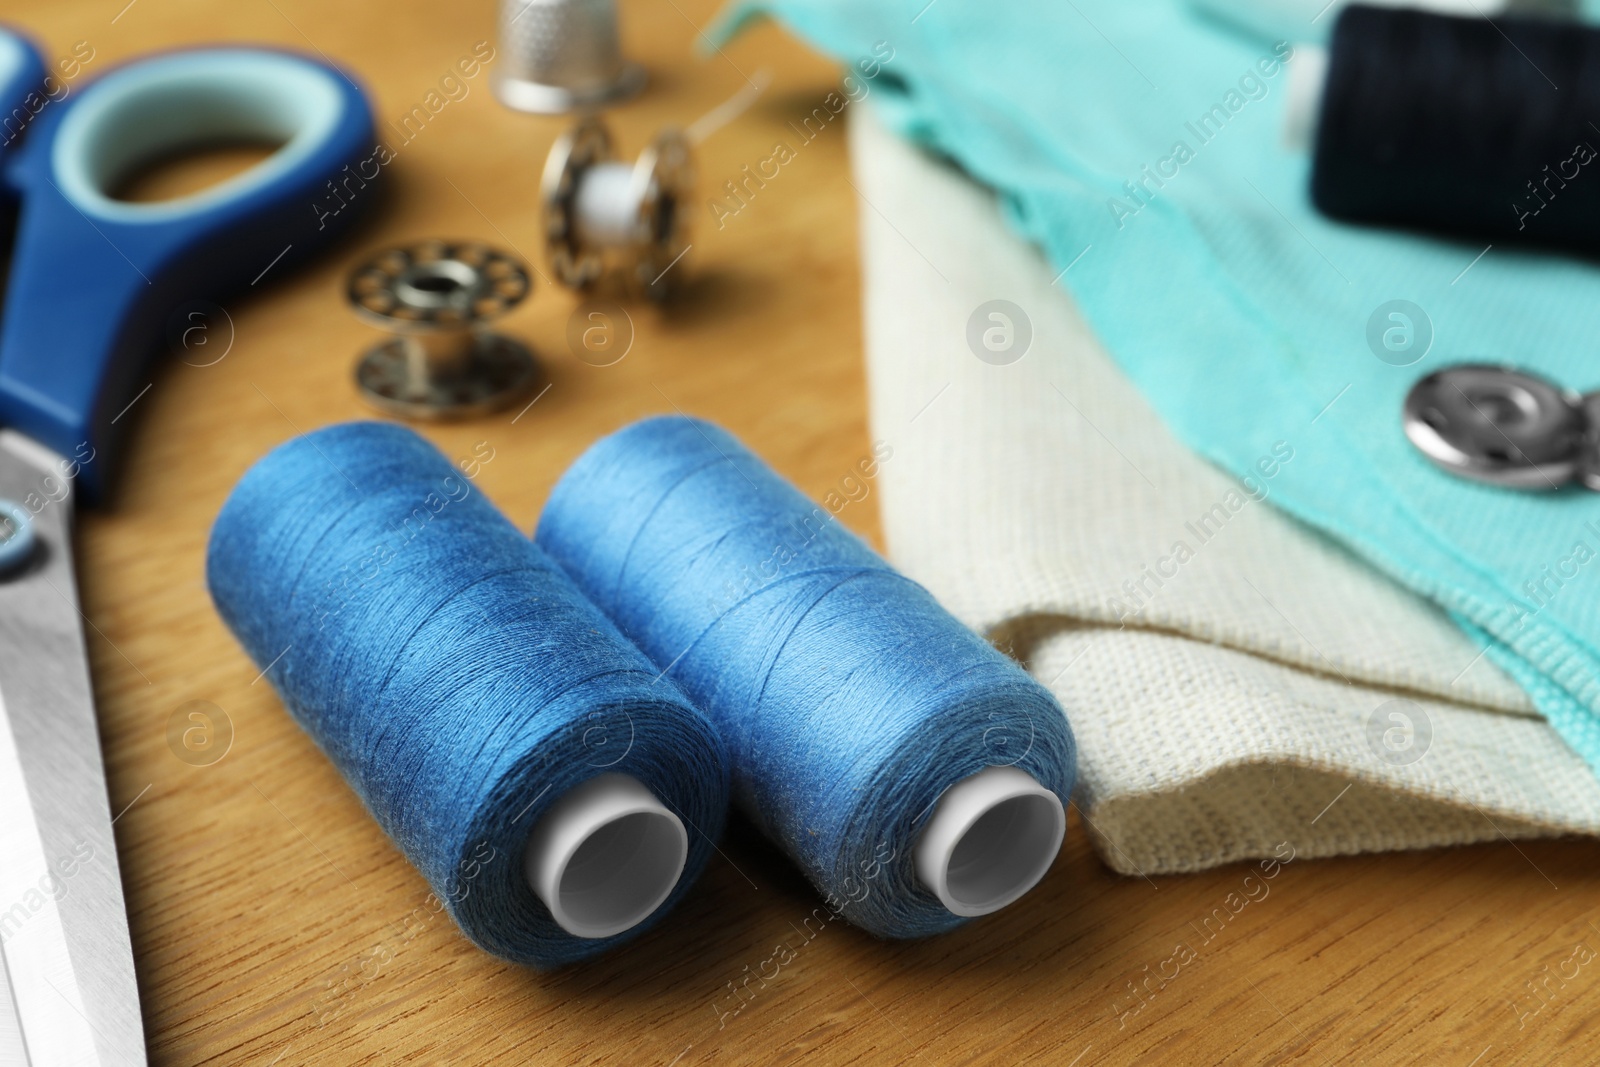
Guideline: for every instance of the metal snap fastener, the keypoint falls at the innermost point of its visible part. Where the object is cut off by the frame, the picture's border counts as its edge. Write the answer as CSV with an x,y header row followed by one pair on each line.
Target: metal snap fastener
x,y
435,297
1589,459
1498,425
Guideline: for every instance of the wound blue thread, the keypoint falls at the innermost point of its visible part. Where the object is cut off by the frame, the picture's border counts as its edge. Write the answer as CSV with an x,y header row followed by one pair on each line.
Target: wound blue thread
x,y
450,670
848,698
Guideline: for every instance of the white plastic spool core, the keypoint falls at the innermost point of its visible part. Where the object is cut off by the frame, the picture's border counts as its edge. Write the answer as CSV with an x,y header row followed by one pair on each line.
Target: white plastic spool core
x,y
992,837
1308,72
607,207
605,856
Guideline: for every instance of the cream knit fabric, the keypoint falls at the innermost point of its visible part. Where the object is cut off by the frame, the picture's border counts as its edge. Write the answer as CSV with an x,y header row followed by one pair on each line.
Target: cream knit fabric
x,y
1234,679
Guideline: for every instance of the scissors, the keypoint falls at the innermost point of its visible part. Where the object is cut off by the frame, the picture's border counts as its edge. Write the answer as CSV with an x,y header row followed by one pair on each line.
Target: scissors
x,y
93,284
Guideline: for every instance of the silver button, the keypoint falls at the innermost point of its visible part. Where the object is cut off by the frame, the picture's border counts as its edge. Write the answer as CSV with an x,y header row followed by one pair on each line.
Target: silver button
x,y
1503,426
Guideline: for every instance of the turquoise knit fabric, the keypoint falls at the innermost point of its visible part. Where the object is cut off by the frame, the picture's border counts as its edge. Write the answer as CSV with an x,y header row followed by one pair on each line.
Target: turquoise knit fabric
x,y
1139,143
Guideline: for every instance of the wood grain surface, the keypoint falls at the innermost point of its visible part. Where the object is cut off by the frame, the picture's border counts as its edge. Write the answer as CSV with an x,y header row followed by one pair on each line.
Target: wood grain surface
x,y
269,913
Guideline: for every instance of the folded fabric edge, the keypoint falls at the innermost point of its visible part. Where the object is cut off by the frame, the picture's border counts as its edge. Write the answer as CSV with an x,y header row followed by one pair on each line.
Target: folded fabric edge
x,y
1178,831
1021,634
1175,743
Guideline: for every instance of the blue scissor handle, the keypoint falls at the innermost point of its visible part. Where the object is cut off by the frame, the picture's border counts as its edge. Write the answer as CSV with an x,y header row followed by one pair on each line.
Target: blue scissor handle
x,y
22,88
94,281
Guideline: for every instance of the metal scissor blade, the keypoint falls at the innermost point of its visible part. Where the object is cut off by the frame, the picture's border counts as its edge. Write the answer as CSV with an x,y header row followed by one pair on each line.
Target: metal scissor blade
x,y
63,926
13,1053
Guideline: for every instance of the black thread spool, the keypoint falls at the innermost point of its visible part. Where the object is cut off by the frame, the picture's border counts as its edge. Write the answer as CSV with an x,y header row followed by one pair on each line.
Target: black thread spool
x,y
1462,126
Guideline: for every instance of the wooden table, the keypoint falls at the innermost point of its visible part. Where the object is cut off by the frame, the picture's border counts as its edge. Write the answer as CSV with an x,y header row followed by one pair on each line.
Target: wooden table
x,y
267,907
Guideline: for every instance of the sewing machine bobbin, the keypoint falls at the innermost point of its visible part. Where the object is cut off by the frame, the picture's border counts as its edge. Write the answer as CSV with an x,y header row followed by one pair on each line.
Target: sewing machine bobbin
x,y
435,297
600,213
561,55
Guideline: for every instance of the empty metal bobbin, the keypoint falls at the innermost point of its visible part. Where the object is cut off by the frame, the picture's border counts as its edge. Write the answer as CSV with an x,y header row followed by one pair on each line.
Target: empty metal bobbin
x,y
561,55
1504,426
601,215
435,297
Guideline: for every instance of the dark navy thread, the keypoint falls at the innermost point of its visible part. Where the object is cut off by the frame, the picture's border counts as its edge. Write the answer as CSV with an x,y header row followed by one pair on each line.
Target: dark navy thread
x,y
1464,126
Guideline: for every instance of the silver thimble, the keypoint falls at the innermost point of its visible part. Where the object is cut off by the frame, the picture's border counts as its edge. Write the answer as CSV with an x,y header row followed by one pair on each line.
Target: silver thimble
x,y
561,55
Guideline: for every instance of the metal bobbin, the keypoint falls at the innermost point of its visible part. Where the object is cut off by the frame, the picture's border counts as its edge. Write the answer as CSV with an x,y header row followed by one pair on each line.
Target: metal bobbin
x,y
1505,426
602,215
561,55
435,297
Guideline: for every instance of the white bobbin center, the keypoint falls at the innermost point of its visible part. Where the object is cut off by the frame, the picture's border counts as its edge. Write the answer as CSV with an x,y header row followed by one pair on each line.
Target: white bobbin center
x,y
1308,73
992,837
605,856
606,207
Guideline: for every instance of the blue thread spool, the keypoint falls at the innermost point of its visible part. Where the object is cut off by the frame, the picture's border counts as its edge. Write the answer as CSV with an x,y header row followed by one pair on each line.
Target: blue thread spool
x,y
914,773
521,753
